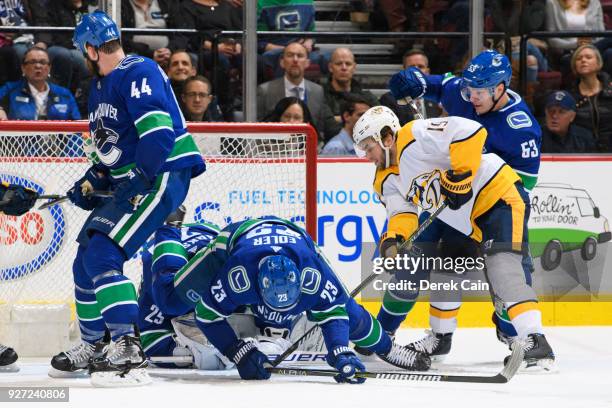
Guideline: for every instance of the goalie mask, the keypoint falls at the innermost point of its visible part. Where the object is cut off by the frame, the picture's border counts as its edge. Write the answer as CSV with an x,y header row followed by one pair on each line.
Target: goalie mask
x,y
280,282
374,123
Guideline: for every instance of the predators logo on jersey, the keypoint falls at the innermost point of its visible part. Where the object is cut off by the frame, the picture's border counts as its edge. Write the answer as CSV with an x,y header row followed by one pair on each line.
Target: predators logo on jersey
x,y
425,190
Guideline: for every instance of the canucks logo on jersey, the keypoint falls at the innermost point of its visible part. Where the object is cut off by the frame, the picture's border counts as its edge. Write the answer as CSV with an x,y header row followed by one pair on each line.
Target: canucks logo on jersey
x,y
105,140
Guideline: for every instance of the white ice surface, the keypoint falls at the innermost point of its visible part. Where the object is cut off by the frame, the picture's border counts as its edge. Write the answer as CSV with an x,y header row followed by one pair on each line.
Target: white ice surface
x,y
583,378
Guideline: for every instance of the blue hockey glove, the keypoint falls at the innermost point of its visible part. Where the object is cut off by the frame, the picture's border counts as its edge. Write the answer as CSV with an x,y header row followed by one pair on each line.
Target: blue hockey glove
x,y
408,83
252,364
97,178
126,192
93,179
17,200
347,363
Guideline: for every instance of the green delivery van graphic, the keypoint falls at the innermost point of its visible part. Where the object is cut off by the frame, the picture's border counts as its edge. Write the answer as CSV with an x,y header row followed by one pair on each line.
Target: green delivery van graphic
x,y
564,218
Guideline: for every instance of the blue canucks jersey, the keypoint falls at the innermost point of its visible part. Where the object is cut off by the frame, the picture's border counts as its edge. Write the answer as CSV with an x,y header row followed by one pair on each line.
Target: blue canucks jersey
x,y
513,133
135,121
163,255
233,281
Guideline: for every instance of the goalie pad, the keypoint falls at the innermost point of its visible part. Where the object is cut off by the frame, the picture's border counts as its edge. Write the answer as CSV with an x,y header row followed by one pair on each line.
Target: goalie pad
x,y
190,339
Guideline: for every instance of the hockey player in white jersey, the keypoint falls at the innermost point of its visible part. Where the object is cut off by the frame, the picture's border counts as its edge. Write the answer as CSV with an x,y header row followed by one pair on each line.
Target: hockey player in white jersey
x,y
429,160
482,94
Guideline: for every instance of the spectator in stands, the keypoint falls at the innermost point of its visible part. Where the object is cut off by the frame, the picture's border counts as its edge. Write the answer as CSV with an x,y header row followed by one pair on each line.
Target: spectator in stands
x,y
180,68
149,14
34,97
198,101
412,58
341,82
593,93
342,144
288,110
208,16
294,61
72,71
286,15
560,134
576,15
14,45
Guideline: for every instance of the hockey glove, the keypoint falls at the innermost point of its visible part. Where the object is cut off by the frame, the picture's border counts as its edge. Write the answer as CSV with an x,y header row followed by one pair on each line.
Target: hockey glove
x,y
457,187
389,244
93,179
252,364
408,83
17,200
127,192
347,363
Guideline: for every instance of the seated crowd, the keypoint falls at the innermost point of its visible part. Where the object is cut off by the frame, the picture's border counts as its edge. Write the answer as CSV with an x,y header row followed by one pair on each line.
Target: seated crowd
x,y
42,75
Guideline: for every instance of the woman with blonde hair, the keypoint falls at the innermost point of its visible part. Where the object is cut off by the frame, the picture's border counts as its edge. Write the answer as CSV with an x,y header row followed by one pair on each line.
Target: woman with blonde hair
x,y
593,94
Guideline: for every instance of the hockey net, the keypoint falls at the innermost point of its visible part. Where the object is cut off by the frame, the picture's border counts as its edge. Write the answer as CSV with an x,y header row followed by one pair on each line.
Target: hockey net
x,y
252,170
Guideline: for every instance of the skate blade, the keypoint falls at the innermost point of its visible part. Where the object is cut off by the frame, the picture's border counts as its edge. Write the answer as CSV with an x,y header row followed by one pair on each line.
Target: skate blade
x,y
543,366
111,379
55,373
9,368
438,358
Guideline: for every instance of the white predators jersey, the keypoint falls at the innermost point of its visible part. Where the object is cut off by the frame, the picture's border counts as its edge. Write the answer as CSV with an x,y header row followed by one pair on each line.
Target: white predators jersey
x,y
425,149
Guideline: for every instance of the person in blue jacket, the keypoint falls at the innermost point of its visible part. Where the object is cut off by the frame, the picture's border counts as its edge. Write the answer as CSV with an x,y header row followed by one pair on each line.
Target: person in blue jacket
x,y
33,97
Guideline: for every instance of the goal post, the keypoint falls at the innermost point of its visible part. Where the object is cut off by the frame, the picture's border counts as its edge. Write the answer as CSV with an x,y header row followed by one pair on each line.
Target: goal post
x,y
253,169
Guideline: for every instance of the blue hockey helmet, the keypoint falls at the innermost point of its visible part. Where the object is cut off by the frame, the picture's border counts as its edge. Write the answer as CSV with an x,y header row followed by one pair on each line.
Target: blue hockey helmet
x,y
96,28
280,282
486,70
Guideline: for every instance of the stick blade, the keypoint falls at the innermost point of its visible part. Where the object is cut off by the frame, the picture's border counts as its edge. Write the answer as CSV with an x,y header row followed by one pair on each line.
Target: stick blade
x,y
515,361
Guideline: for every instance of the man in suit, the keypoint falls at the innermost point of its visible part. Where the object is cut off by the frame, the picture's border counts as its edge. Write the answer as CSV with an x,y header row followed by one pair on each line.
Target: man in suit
x,y
294,62
412,58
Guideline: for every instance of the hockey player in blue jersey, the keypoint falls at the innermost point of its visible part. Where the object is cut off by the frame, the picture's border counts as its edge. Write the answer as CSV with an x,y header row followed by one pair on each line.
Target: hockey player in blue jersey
x,y
275,268
166,323
171,248
481,94
147,159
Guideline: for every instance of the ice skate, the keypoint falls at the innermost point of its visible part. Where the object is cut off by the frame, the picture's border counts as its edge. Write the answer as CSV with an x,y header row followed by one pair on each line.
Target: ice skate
x,y
435,345
73,362
403,357
539,355
123,364
8,357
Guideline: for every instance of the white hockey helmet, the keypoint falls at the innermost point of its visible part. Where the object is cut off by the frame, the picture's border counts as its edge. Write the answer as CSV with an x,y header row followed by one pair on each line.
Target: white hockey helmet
x,y
371,124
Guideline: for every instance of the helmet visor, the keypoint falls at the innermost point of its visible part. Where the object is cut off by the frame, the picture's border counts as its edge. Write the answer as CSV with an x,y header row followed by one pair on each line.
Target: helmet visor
x,y
467,92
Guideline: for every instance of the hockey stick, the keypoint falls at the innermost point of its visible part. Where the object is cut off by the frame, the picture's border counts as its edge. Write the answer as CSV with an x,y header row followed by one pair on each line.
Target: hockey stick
x,y
404,246
505,375
39,197
57,199
410,102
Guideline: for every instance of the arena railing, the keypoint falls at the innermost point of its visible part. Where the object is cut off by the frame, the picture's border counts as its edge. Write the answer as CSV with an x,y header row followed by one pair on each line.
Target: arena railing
x,y
217,35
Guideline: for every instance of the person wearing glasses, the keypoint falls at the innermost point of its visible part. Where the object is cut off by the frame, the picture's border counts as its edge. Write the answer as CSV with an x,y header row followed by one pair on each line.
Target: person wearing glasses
x,y
199,105
34,97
